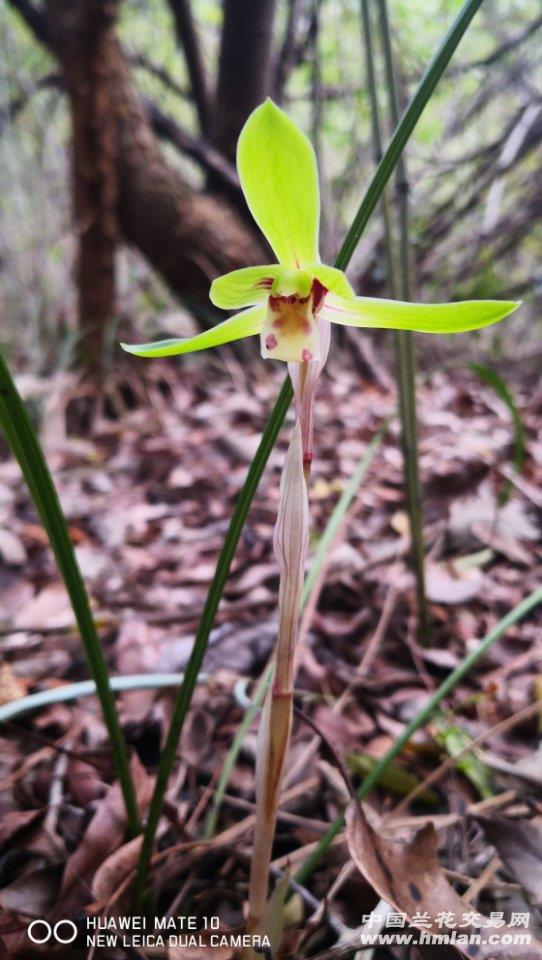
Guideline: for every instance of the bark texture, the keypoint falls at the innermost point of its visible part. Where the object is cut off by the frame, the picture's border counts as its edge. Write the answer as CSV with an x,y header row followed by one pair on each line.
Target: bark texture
x,y
94,173
243,69
187,236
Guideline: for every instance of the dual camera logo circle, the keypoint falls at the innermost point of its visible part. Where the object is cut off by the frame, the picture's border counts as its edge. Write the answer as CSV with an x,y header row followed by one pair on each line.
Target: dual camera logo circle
x,y
41,931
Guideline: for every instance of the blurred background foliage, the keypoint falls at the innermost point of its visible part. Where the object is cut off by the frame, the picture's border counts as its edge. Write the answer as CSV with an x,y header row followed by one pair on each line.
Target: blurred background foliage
x,y
473,164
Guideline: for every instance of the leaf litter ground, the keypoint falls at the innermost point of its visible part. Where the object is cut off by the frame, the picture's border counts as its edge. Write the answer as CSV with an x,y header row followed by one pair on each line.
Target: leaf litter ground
x,y
148,493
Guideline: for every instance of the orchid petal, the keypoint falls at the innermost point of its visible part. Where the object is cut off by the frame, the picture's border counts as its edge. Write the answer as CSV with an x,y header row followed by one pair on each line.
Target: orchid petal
x,y
333,279
422,317
243,288
234,328
279,177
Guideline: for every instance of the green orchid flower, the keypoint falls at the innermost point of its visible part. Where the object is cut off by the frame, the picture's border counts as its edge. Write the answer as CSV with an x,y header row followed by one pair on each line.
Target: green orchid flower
x,y
288,301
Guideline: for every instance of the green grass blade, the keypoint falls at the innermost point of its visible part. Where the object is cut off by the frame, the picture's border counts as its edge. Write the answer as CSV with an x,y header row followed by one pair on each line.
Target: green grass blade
x,y
25,446
384,171
395,778
235,749
455,740
513,616
497,384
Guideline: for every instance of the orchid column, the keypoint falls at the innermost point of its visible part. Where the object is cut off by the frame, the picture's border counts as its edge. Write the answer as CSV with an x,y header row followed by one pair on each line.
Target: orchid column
x,y
291,305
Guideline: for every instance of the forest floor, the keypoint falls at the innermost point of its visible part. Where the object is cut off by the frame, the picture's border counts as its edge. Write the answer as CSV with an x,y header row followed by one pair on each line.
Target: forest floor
x,y
148,494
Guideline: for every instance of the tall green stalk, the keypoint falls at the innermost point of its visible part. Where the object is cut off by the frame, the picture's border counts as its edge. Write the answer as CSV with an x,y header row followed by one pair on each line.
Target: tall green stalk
x,y
382,174
377,141
405,348
25,446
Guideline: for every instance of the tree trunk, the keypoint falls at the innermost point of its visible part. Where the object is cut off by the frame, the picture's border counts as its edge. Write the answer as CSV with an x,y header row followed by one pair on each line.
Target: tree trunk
x,y
243,69
188,237
94,173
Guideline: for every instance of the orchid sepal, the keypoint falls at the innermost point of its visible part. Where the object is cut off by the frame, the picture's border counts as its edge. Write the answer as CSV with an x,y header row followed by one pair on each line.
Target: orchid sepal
x,y
458,317
279,177
241,325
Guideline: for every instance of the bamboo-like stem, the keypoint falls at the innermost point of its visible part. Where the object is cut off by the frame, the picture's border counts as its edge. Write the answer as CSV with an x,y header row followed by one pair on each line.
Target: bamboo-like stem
x,y
405,348
377,141
403,131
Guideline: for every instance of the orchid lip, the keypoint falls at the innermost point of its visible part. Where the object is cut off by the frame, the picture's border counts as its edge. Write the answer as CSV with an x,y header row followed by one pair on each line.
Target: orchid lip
x,y
290,332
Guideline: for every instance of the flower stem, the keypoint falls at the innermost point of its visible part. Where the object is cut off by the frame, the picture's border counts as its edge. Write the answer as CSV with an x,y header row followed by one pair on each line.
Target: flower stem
x,y
291,541
310,586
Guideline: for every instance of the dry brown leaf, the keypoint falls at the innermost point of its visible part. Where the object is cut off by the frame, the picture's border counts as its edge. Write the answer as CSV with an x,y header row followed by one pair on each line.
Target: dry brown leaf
x,y
442,586
15,820
83,782
49,608
32,894
137,651
408,876
480,518
115,869
12,548
104,834
519,844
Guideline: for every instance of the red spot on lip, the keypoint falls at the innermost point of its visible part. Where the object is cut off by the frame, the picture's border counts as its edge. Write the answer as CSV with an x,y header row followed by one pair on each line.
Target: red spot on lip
x,y
318,294
271,341
277,299
306,355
